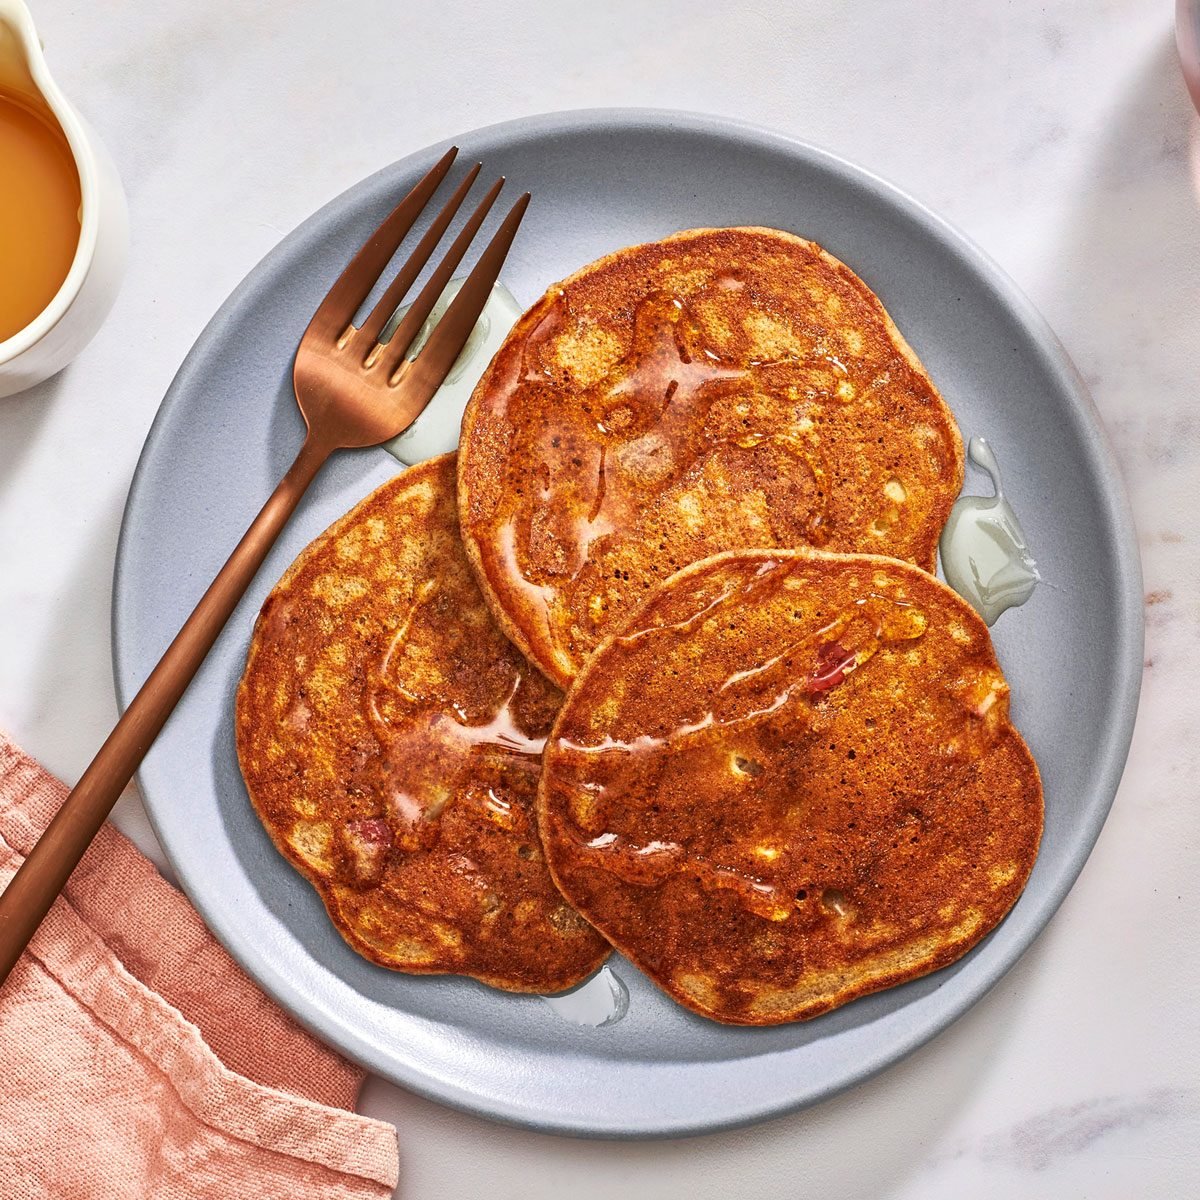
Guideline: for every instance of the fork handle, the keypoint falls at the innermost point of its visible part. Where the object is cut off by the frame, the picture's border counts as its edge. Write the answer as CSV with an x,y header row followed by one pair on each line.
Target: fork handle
x,y
32,890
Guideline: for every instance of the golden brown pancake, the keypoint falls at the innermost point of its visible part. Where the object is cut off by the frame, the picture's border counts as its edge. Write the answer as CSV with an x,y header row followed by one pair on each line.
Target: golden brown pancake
x,y
723,388
390,738
792,781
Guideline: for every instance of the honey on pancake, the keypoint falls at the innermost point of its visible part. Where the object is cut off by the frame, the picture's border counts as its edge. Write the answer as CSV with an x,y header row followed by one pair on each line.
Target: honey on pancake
x,y
651,864
432,749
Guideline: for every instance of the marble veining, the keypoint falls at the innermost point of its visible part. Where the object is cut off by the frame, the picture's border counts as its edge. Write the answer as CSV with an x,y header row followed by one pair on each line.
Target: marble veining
x,y
1046,1138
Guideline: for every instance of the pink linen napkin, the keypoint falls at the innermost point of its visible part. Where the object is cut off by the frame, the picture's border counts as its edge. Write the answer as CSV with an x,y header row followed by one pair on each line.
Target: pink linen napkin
x,y
138,1061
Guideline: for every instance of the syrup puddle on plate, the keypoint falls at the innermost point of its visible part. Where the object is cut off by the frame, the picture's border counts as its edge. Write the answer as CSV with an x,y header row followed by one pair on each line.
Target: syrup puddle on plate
x,y
436,430
601,1000
985,556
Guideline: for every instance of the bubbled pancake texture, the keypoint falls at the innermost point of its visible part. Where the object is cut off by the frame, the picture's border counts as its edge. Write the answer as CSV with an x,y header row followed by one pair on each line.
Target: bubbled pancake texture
x,y
389,736
791,782
723,388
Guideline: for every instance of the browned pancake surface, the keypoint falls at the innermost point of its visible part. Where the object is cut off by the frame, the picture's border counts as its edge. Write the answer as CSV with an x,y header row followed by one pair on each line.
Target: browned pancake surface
x,y
791,782
719,389
389,736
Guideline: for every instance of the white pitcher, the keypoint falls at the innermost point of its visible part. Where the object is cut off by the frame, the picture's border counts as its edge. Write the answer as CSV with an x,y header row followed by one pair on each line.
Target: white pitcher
x,y
62,329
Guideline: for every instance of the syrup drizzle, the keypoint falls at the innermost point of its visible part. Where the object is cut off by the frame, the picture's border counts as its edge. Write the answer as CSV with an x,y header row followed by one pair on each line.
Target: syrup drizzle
x,y
834,652
651,864
985,556
429,744
650,431
804,669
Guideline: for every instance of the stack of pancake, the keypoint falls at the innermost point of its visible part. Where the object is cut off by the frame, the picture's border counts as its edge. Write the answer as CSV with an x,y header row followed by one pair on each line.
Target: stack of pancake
x,y
699,491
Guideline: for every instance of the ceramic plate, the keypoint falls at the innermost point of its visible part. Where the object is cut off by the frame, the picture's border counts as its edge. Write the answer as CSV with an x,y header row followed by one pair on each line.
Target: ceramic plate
x,y
228,428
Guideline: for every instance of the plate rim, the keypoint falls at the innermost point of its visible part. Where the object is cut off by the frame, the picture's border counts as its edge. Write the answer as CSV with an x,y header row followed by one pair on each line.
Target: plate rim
x,y
1126,587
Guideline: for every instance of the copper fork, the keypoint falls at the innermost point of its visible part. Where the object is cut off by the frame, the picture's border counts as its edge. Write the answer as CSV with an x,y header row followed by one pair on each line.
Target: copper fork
x,y
353,390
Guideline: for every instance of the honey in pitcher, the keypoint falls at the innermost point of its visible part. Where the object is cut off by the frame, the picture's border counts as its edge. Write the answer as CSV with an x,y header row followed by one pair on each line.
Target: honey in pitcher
x,y
39,211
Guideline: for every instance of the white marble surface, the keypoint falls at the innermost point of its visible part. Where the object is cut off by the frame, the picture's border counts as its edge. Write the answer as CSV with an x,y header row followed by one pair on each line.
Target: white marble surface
x,y
1057,135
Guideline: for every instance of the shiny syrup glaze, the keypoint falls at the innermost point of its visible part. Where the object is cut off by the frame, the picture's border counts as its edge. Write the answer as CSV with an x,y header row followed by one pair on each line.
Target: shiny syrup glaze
x,y
730,415
748,696
390,739
459,749
653,405
791,769
436,752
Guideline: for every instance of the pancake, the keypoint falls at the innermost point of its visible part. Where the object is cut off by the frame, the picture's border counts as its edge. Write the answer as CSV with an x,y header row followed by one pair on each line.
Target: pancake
x,y
390,737
792,781
723,388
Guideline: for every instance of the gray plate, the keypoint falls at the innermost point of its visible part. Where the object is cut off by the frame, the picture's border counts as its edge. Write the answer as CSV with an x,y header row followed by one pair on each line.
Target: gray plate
x,y
228,428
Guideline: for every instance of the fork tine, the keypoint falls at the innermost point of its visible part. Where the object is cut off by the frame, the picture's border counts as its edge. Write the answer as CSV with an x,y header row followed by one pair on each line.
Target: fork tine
x,y
425,373
373,326
354,284
392,355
